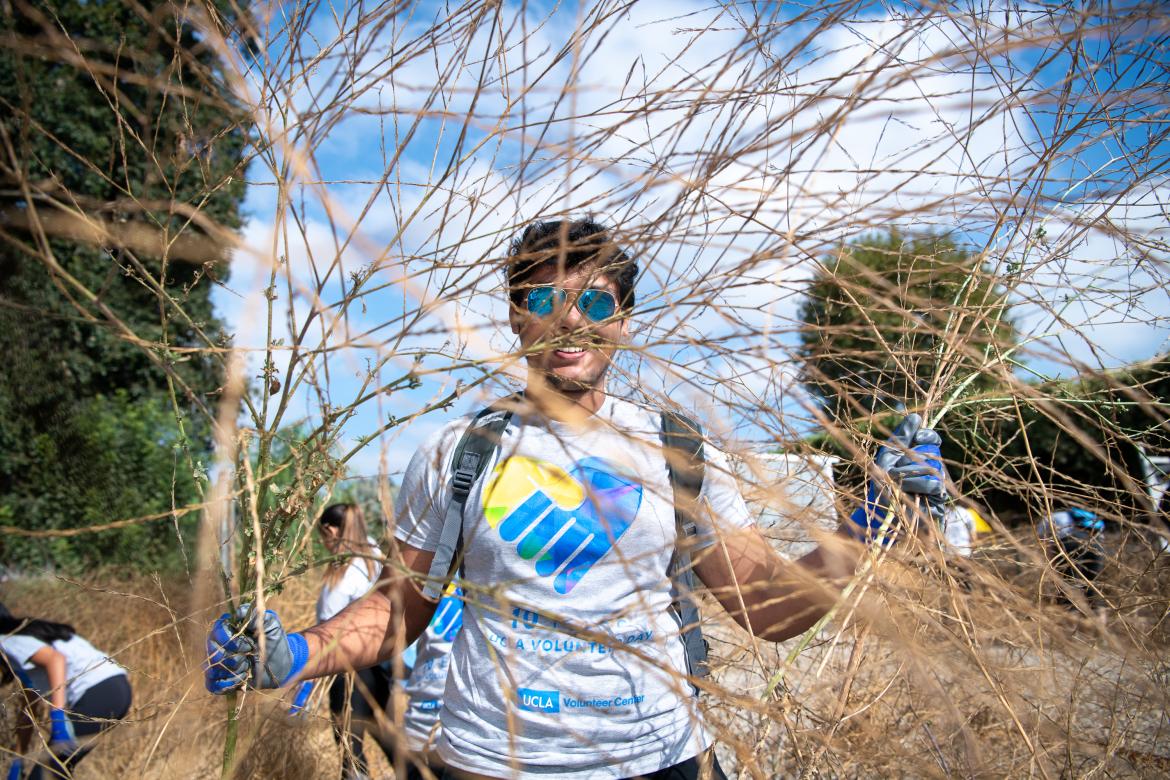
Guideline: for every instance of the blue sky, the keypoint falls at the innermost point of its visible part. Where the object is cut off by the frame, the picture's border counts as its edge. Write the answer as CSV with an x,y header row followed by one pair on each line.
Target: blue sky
x,y
730,151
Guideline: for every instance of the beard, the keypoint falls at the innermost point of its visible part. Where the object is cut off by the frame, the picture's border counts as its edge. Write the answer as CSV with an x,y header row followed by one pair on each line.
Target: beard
x,y
594,380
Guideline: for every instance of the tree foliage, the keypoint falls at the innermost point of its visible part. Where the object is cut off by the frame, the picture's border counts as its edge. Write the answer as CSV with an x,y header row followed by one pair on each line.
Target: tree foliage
x,y
1044,444
121,161
887,315
1077,439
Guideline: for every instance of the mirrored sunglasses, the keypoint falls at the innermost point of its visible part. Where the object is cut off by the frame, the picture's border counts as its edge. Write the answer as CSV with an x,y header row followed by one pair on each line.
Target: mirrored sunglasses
x,y
594,305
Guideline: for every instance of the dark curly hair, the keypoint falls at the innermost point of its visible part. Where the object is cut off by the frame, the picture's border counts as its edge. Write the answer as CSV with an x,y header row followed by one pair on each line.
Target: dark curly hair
x,y
570,243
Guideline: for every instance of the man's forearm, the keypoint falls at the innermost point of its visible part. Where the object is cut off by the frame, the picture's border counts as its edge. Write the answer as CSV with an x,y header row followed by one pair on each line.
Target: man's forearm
x,y
804,591
774,598
361,635
373,628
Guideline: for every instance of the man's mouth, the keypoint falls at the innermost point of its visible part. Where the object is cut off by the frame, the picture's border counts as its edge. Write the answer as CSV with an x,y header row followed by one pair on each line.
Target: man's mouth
x,y
570,355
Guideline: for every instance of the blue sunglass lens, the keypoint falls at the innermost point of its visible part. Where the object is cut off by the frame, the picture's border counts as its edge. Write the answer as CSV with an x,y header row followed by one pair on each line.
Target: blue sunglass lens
x,y
597,305
541,300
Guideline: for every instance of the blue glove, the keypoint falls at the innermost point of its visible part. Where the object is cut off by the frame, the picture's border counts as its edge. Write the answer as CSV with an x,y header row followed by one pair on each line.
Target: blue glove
x,y
62,740
912,460
233,653
921,474
15,769
301,699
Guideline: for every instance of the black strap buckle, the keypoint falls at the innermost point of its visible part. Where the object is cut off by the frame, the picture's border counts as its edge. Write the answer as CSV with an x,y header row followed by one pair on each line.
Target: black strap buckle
x,y
464,476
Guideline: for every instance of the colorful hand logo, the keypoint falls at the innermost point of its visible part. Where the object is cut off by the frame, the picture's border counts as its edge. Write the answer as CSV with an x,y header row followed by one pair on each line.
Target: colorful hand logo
x,y
574,518
448,617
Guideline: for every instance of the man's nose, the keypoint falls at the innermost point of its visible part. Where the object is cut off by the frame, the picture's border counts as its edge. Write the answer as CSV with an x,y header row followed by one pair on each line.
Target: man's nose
x,y
568,317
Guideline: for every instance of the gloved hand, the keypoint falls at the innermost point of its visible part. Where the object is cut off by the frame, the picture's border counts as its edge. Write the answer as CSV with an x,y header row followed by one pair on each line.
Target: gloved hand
x,y
233,653
301,699
15,769
921,474
62,740
913,461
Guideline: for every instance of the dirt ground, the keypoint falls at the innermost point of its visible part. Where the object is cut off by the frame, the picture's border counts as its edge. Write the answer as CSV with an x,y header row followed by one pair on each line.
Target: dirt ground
x,y
938,673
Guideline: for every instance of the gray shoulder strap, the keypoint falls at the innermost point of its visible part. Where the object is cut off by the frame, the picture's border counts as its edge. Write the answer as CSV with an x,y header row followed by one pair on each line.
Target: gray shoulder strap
x,y
472,455
682,442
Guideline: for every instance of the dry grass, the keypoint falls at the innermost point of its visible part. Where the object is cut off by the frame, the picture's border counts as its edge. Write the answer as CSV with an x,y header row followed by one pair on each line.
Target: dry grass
x,y
175,729
986,683
936,681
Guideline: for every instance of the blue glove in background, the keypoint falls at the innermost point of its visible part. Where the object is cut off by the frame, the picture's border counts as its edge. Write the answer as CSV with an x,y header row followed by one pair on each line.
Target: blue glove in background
x,y
302,698
60,727
921,473
62,740
912,459
15,769
233,653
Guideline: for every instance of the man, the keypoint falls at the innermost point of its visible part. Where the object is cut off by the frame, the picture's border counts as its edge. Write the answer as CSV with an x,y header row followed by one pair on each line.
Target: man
x,y
570,662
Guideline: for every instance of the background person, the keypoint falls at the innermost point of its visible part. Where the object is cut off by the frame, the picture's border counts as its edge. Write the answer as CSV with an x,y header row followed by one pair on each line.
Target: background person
x,y
1073,540
347,578
87,692
425,661
959,530
430,659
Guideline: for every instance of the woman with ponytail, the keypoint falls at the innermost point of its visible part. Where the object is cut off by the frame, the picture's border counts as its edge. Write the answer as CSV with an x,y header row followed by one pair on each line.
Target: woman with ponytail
x,y
351,575
85,690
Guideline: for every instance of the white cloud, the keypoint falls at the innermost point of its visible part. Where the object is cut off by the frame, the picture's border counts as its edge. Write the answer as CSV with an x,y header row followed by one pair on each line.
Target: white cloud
x,y
1094,280
733,155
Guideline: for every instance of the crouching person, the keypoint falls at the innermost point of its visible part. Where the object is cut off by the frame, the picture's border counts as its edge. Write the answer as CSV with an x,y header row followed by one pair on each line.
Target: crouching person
x,y
85,691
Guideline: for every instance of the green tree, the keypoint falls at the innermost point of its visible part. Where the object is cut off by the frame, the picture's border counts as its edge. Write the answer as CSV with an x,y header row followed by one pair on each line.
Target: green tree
x,y
888,317
122,155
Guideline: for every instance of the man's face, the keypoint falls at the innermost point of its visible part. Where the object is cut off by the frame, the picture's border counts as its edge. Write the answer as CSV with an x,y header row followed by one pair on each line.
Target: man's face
x,y
572,352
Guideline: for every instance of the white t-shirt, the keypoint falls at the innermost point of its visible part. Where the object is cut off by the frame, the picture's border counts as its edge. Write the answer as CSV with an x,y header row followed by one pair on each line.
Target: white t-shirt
x,y
85,665
1060,524
568,539
355,583
958,530
428,677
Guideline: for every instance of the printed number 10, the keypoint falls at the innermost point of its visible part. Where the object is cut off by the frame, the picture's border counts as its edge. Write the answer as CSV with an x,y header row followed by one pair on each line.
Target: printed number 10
x,y
526,616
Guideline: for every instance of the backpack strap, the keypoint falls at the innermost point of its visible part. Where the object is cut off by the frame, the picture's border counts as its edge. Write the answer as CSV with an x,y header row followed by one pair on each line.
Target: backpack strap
x,y
473,453
682,442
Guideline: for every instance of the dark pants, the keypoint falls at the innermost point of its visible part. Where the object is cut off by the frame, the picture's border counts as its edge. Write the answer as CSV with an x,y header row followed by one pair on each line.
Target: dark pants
x,y
1082,560
98,709
370,692
691,769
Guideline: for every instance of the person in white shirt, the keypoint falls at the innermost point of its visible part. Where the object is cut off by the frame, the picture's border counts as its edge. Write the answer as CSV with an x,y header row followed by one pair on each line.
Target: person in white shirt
x,y
85,690
572,662
959,530
1072,539
342,526
349,576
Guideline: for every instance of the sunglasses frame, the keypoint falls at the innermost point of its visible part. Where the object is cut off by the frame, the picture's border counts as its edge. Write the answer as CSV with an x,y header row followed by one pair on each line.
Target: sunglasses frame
x,y
561,294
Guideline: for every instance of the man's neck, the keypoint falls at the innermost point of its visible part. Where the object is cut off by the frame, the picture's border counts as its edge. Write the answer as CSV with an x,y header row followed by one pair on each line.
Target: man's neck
x,y
562,404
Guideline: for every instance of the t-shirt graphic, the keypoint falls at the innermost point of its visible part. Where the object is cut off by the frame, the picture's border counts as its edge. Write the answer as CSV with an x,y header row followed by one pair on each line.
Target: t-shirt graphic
x,y
448,617
569,663
574,518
